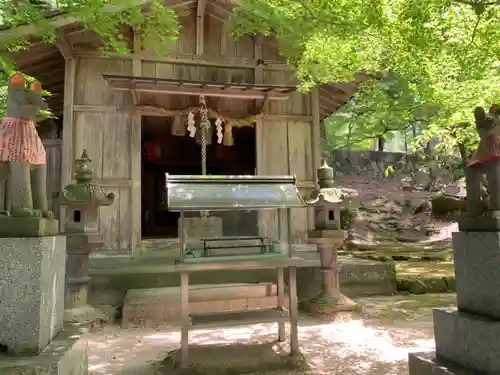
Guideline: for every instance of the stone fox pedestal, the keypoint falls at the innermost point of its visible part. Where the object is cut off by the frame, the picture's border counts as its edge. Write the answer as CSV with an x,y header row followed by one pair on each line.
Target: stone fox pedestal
x,y
468,337
32,285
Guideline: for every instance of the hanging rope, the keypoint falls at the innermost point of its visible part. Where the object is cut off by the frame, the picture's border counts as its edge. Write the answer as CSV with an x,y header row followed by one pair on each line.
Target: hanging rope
x,y
204,130
204,127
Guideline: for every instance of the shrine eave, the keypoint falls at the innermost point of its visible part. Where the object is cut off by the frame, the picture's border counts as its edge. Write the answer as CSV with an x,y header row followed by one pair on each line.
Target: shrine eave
x,y
153,85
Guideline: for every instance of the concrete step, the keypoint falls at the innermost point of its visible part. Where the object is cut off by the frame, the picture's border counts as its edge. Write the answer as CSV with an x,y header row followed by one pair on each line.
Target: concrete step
x,y
157,306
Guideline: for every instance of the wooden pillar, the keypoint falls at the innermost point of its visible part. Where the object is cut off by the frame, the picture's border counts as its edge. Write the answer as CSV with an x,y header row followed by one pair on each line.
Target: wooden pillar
x,y
135,158
200,27
315,132
258,79
68,141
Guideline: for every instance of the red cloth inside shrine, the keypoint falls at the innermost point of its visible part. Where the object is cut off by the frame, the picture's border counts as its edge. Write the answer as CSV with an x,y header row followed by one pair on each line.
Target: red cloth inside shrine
x,y
153,151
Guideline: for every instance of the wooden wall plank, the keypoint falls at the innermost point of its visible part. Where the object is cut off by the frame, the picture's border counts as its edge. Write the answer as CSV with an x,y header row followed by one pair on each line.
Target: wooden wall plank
x,y
107,136
116,146
299,150
88,130
92,89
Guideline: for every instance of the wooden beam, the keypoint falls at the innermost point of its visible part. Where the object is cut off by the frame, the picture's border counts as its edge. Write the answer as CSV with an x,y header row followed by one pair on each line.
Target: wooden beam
x,y
97,108
66,49
43,66
190,59
195,91
211,13
226,12
35,57
200,27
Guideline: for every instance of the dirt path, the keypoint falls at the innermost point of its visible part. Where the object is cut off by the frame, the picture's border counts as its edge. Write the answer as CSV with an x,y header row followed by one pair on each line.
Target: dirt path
x,y
375,342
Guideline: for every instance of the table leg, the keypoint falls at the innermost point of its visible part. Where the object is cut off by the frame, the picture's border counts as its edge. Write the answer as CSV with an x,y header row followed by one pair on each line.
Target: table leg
x,y
184,319
294,315
281,303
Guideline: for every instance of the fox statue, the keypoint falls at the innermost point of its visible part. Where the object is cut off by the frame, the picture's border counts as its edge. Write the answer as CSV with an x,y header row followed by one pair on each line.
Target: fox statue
x,y
22,154
484,166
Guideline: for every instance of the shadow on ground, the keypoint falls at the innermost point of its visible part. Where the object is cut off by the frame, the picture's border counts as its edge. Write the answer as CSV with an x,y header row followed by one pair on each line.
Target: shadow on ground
x,y
375,342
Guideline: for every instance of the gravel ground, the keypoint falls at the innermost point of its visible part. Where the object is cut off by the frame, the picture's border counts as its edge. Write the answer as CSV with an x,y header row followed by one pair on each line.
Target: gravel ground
x,y
375,342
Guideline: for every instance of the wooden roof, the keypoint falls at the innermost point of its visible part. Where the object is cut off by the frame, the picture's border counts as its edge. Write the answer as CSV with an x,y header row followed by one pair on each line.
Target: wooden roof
x,y
46,63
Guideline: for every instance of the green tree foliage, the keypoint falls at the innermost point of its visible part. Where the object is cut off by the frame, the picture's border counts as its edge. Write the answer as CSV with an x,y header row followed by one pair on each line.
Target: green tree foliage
x,y
446,50
449,48
156,23
390,106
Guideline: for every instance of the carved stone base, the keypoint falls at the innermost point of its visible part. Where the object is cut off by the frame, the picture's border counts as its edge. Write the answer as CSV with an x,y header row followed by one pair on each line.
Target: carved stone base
x,y
487,222
327,304
28,227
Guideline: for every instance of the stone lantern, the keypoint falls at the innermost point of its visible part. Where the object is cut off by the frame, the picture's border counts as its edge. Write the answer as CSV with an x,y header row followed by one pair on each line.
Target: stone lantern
x,y
83,200
328,236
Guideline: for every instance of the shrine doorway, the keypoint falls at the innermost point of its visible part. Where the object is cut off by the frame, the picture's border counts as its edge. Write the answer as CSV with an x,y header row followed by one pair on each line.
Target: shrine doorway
x,y
164,152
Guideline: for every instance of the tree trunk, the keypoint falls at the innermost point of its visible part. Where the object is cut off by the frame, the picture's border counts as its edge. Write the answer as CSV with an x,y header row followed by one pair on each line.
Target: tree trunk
x,y
432,173
463,153
381,143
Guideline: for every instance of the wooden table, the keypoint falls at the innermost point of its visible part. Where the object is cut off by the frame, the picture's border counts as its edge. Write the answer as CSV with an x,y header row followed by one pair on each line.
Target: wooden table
x,y
279,314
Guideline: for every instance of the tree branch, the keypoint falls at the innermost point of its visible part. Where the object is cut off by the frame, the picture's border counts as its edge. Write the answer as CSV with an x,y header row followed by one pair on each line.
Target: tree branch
x,y
378,135
473,3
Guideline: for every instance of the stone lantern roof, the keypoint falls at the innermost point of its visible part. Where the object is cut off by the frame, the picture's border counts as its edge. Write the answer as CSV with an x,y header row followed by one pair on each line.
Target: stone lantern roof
x,y
326,192
84,191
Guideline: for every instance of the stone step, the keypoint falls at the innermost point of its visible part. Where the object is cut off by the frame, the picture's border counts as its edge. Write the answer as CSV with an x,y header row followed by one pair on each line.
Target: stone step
x,y
157,306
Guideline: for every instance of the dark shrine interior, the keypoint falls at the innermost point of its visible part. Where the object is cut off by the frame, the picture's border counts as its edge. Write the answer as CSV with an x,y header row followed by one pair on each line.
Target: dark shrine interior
x,y
164,153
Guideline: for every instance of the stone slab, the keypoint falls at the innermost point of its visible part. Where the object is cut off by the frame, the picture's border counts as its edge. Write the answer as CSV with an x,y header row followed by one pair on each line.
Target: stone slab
x,y
477,265
426,363
467,340
202,293
169,311
358,277
66,355
32,287
489,222
28,227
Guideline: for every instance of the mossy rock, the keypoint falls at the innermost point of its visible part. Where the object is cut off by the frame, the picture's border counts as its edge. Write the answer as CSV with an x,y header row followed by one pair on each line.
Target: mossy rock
x,y
402,256
425,285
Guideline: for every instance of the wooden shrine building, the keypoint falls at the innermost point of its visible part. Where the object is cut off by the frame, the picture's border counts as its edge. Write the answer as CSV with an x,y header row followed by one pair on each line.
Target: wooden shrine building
x,y
134,113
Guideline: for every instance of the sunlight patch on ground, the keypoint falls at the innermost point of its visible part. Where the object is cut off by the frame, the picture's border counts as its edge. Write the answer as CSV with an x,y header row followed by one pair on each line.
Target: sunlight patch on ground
x,y
330,347
444,233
